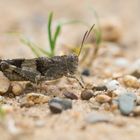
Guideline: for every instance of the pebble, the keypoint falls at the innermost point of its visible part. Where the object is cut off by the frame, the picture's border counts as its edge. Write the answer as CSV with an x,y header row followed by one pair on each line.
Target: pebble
x,y
4,83
57,105
102,98
112,85
34,98
70,95
127,102
86,72
96,117
136,111
17,89
99,88
131,81
86,94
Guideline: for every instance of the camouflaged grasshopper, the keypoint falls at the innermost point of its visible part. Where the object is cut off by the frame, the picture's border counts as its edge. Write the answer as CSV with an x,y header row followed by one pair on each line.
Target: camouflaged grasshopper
x,y
41,69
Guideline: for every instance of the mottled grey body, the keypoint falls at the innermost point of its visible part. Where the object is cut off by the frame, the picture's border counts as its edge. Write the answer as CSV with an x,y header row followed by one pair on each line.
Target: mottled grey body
x,y
39,69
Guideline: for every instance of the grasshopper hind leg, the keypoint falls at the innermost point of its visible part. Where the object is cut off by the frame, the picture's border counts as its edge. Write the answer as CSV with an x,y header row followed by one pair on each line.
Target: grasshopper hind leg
x,y
15,73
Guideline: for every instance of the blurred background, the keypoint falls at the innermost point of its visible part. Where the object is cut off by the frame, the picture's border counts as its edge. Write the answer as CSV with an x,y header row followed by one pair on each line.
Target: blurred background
x,y
30,17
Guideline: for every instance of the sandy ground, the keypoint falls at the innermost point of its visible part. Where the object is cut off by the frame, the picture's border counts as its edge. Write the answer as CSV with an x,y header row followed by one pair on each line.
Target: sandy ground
x,y
30,17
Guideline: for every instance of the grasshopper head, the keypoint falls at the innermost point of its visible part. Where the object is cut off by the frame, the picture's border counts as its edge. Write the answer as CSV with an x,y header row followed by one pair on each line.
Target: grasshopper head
x,y
72,63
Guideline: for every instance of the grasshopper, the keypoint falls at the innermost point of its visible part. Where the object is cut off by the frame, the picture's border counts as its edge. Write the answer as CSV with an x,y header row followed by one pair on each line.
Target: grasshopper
x,y
41,69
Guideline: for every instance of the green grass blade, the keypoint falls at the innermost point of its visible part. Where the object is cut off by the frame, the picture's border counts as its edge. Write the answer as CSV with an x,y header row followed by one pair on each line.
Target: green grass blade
x,y
50,31
57,32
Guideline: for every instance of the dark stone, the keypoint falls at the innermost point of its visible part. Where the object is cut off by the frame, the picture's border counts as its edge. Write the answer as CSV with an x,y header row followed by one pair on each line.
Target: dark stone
x,y
70,95
86,72
86,94
100,88
57,105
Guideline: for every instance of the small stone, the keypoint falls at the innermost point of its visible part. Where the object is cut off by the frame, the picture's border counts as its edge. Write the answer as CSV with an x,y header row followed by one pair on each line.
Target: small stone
x,y
131,81
136,111
102,98
70,95
100,88
127,102
112,85
86,94
86,72
34,98
95,117
17,89
57,105
4,83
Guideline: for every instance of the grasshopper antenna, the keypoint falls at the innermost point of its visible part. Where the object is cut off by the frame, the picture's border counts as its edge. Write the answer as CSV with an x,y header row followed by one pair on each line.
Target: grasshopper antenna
x,y
87,33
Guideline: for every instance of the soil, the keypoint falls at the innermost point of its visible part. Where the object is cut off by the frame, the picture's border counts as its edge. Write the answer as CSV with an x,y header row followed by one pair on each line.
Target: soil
x,y
114,61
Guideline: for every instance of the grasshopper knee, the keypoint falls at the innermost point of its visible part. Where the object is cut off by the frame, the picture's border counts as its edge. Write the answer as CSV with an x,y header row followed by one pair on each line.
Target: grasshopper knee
x,y
4,65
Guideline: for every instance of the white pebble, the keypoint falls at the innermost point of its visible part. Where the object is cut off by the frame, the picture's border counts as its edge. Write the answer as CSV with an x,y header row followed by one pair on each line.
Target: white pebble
x,y
112,85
